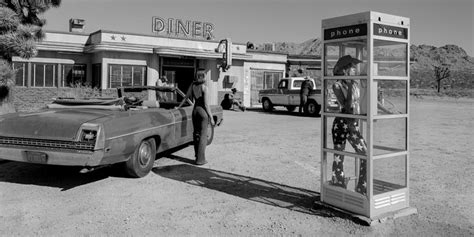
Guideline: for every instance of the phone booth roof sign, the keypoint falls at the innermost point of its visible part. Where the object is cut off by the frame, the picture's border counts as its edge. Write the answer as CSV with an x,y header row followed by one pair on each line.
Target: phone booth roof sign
x,y
365,17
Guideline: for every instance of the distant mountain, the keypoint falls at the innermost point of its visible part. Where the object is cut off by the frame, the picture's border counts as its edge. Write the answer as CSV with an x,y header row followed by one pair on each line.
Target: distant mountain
x,y
424,56
451,56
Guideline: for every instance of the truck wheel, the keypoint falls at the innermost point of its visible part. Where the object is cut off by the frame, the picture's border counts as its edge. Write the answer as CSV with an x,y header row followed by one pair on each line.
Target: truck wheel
x,y
141,162
291,108
267,105
312,108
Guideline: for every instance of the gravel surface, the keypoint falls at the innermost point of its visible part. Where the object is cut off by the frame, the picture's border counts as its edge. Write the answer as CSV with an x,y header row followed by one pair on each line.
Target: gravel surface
x,y
262,179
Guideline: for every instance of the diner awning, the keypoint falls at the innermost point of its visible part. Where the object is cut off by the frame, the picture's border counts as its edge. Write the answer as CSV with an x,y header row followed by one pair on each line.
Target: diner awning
x,y
197,53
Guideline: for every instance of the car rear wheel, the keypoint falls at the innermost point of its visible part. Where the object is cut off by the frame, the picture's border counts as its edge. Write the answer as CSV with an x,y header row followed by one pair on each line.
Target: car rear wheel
x,y
291,108
141,162
267,105
312,108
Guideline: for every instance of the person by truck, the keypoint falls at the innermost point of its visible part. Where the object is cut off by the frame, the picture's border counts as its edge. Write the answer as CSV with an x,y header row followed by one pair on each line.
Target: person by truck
x,y
306,87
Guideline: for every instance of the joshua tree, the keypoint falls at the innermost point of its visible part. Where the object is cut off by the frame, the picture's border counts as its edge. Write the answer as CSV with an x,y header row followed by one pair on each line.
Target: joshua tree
x,y
20,29
441,73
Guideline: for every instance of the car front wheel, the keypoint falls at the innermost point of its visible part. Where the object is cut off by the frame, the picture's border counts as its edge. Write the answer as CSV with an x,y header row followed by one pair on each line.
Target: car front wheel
x,y
312,108
141,162
267,105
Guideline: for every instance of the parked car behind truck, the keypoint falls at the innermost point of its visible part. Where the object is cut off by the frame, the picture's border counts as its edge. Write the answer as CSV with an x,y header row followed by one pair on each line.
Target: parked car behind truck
x,y
287,94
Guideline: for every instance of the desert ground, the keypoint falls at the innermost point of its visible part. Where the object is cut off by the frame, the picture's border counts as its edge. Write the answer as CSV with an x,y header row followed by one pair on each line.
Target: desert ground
x,y
262,179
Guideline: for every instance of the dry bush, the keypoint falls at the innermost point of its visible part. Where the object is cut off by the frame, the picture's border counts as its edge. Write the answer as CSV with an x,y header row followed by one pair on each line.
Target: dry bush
x,y
80,91
7,76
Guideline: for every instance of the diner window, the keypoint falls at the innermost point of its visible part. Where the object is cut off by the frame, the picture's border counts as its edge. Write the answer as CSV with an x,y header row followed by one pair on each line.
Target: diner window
x,y
73,74
21,73
126,75
44,75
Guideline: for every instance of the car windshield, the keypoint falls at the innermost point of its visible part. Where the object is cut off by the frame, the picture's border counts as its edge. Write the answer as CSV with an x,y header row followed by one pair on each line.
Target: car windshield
x,y
167,97
142,97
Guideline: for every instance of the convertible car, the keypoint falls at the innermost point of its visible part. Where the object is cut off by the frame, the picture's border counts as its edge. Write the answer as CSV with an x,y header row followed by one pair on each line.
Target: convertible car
x,y
129,129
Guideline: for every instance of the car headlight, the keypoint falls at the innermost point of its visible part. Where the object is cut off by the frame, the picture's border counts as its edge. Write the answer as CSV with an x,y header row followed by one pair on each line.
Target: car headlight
x,y
88,135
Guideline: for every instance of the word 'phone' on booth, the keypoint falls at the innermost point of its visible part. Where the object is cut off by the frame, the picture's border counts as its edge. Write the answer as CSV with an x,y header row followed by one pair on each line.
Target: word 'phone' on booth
x,y
365,144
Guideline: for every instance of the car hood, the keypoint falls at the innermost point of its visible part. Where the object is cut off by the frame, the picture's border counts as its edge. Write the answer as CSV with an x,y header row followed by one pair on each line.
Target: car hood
x,y
48,124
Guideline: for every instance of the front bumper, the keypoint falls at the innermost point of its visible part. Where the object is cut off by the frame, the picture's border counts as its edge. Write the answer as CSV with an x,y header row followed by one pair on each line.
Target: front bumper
x,y
53,156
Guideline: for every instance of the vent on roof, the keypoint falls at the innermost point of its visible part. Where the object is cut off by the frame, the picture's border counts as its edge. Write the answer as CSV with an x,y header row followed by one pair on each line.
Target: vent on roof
x,y
76,25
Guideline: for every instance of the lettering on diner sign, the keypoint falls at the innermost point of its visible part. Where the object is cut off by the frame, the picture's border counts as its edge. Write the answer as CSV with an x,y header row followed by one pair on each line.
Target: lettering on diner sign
x,y
390,31
345,32
181,28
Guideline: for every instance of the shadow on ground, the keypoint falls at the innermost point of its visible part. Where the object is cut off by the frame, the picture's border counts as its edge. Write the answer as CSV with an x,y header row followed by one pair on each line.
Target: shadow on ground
x,y
63,177
257,190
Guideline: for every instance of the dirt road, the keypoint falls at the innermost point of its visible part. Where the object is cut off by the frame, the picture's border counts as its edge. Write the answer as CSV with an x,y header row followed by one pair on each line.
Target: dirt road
x,y
261,179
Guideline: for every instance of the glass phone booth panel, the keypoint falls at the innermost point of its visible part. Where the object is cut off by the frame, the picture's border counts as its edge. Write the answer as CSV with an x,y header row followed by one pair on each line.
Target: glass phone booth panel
x,y
364,120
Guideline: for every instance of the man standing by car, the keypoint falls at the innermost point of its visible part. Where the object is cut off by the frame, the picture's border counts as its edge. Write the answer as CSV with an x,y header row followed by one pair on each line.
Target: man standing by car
x,y
162,81
306,87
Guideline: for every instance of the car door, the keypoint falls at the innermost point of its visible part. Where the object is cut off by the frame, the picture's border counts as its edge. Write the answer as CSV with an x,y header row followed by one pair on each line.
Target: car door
x,y
183,124
281,98
294,93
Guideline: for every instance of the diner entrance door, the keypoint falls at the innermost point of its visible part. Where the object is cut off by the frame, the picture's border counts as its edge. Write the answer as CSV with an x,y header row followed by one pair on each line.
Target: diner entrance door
x,y
179,77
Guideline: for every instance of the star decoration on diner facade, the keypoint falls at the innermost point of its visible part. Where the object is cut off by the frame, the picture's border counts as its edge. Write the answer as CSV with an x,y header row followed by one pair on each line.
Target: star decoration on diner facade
x,y
123,38
112,37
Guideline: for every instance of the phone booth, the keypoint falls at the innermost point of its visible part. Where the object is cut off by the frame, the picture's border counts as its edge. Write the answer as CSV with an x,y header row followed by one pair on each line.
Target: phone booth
x,y
365,142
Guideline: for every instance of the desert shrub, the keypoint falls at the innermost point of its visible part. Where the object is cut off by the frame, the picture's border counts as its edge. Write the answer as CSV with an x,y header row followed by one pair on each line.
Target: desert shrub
x,y
79,91
459,84
7,75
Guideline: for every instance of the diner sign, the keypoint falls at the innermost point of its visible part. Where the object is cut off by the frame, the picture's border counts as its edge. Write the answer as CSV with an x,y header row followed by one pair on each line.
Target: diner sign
x,y
182,28
345,32
390,31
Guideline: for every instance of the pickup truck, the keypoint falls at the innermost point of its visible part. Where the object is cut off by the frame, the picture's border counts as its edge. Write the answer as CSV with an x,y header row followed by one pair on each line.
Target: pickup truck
x,y
287,94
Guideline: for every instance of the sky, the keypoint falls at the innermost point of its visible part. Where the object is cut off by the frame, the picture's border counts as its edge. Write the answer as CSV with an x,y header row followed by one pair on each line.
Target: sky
x,y
432,22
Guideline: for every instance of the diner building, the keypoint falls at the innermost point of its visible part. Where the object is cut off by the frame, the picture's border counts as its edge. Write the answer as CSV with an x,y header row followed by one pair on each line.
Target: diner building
x,y
109,59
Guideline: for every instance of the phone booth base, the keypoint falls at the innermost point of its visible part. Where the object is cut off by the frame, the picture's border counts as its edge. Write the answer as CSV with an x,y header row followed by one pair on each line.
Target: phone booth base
x,y
388,205
365,147
344,205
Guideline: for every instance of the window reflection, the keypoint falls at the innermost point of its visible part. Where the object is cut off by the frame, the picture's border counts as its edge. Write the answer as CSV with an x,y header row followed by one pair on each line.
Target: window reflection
x,y
354,48
390,58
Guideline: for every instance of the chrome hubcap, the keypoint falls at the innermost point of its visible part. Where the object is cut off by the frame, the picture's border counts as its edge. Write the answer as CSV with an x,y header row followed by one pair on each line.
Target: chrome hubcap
x,y
266,104
144,153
